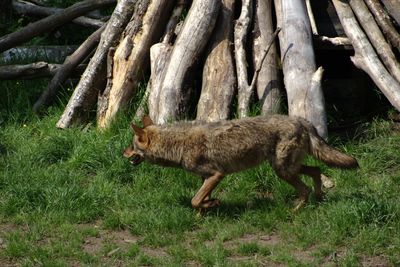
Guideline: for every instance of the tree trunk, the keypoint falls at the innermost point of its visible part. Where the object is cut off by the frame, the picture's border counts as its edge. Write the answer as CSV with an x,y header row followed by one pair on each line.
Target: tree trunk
x,y
219,80
268,82
365,57
50,23
299,66
93,79
132,55
194,35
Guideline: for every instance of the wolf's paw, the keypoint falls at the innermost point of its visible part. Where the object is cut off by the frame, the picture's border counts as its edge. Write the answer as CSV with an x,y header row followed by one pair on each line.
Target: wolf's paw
x,y
211,203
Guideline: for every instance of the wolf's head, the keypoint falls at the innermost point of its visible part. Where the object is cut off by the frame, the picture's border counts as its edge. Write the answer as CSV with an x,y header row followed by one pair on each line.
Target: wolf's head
x,y
136,151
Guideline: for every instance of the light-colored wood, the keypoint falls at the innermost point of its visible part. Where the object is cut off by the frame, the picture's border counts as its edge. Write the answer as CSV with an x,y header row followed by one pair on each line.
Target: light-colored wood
x,y
193,37
219,78
376,37
268,85
299,66
131,57
93,80
365,57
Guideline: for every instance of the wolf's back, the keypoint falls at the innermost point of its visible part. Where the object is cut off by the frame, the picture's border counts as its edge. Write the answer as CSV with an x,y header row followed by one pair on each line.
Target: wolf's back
x,y
329,155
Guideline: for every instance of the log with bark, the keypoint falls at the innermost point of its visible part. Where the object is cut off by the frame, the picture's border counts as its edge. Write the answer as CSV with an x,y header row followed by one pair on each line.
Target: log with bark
x,y
30,9
35,70
23,54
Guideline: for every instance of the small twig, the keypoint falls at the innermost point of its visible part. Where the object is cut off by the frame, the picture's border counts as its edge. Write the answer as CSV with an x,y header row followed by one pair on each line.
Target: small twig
x,y
258,69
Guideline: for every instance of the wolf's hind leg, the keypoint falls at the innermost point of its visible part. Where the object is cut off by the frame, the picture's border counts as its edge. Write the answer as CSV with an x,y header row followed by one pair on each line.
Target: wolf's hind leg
x,y
302,190
201,199
315,173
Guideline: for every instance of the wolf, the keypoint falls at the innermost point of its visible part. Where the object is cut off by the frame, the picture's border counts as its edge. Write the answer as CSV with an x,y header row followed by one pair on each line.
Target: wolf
x,y
214,150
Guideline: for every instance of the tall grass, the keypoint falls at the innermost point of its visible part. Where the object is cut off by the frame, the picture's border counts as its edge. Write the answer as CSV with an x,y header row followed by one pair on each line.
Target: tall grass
x,y
61,188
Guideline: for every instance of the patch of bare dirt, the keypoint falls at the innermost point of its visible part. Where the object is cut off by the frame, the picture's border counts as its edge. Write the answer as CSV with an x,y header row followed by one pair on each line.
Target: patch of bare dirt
x,y
374,261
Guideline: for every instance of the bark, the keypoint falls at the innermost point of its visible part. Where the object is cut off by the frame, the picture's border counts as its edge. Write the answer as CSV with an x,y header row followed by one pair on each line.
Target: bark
x,y
384,22
131,58
393,8
54,54
193,37
32,71
92,81
376,37
29,9
268,82
48,95
304,100
219,80
50,23
240,34
365,57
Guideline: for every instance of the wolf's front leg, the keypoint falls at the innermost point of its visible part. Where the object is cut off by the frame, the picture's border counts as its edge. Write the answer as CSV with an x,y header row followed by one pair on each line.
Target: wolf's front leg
x,y
202,198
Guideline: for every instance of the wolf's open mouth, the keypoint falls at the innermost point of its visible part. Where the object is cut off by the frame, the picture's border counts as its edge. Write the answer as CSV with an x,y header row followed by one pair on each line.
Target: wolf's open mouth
x,y
135,160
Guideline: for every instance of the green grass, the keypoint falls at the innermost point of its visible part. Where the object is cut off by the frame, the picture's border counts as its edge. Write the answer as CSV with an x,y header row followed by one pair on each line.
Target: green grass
x,y
68,197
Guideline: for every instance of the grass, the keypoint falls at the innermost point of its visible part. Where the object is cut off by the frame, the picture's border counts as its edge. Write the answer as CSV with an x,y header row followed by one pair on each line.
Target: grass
x,y
67,197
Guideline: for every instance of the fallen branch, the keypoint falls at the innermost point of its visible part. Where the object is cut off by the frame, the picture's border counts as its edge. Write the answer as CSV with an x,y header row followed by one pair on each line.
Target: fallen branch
x,y
69,65
29,9
365,57
22,54
50,23
33,71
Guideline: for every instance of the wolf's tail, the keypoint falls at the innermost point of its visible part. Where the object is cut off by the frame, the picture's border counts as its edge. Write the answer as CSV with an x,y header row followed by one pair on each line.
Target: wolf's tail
x,y
329,155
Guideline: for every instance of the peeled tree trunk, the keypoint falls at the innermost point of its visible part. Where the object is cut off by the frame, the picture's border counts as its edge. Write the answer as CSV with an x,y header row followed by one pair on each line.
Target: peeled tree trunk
x,y
219,79
93,79
193,37
131,57
299,67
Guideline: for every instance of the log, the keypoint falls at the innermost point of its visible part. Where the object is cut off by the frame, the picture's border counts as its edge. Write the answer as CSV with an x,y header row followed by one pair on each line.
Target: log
x,y
93,79
50,23
48,95
376,37
32,71
131,58
268,84
298,61
193,37
365,57
29,9
159,57
219,79
393,8
384,22
22,54
242,26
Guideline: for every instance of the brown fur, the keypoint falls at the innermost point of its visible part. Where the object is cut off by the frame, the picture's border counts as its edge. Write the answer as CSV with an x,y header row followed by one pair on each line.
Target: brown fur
x,y
213,150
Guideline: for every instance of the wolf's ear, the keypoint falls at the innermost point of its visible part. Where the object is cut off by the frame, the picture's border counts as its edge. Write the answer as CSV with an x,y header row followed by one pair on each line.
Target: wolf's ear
x,y
146,120
137,130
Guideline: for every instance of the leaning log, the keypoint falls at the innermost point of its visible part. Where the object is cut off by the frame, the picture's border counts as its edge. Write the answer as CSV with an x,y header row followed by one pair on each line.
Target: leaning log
x,y
365,57
298,61
219,79
33,71
268,82
93,80
50,23
376,37
193,37
393,8
48,95
30,9
131,57
22,54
